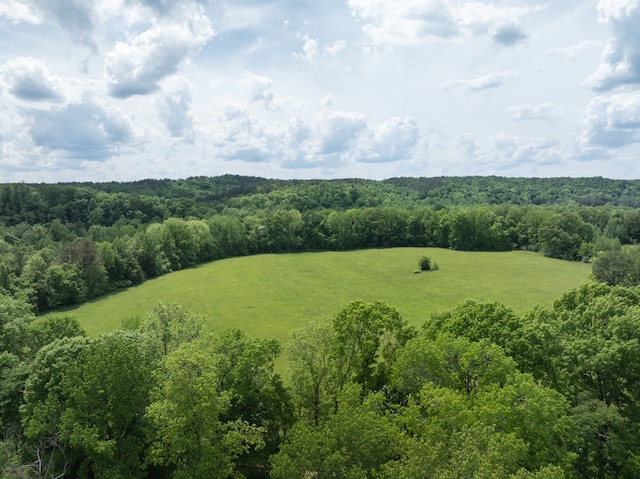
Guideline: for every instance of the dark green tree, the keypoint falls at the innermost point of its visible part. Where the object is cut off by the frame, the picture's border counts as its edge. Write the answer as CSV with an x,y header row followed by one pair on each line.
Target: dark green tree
x,y
562,235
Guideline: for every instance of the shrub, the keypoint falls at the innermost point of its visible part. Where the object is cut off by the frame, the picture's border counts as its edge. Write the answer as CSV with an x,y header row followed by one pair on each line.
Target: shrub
x,y
427,264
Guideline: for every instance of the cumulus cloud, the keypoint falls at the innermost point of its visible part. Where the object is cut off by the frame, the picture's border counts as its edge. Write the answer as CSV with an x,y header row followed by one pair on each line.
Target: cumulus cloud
x,y
334,48
29,79
401,23
310,49
487,82
620,61
175,110
328,139
538,111
88,130
338,130
393,140
78,17
18,12
506,152
612,121
136,68
258,89
247,137
388,22
260,126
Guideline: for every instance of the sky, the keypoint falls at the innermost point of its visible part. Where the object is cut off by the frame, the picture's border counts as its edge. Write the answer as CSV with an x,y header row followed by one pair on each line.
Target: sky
x,y
121,90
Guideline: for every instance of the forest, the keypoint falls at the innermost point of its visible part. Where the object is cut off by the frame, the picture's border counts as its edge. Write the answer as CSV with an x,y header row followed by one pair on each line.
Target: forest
x,y
477,391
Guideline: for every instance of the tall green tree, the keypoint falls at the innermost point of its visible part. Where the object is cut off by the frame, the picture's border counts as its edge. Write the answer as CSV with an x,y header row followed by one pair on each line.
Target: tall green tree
x,y
107,391
189,435
353,443
312,367
367,338
562,235
46,395
257,394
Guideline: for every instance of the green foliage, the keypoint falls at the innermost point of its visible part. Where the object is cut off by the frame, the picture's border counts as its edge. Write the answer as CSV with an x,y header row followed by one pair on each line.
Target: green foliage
x,y
82,240
47,329
618,267
16,317
476,321
168,326
46,394
107,391
480,392
367,338
562,235
353,443
186,414
311,367
427,264
451,362
257,395
598,335
493,432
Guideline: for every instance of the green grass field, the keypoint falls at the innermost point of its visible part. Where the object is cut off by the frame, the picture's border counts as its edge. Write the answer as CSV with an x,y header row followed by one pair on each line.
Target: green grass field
x,y
269,295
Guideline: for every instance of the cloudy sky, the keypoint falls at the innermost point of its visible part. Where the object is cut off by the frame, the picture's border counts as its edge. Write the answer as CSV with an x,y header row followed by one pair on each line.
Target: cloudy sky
x,y
95,90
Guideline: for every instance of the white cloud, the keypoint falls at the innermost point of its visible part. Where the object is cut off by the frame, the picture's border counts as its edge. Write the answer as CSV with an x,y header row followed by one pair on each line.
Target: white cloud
x,y
258,89
334,48
17,12
136,68
78,17
612,121
287,132
487,82
337,130
393,140
507,153
353,100
539,111
29,79
328,139
309,49
572,52
175,109
620,61
389,22
87,130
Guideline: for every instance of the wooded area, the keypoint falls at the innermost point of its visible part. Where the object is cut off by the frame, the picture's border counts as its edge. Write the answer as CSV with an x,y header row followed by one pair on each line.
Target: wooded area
x,y
62,244
477,391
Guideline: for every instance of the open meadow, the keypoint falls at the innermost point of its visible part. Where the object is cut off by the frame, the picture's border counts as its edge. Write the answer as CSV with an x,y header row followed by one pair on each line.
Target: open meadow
x,y
269,295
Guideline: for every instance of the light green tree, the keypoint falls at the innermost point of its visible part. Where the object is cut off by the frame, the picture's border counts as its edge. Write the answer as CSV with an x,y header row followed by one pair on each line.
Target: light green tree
x,y
188,433
170,325
353,443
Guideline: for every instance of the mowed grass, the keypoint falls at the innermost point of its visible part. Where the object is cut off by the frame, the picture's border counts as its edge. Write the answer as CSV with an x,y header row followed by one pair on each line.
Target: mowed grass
x,y
269,295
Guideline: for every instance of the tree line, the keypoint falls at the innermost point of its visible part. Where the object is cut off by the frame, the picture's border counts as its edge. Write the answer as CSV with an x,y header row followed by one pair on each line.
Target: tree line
x,y
476,391
57,264
62,244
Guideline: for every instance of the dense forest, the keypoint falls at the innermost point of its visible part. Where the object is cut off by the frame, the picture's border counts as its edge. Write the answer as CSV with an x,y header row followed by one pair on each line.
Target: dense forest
x,y
62,244
477,391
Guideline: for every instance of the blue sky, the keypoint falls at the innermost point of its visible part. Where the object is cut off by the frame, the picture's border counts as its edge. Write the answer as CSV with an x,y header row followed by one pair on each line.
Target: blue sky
x,y
97,90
